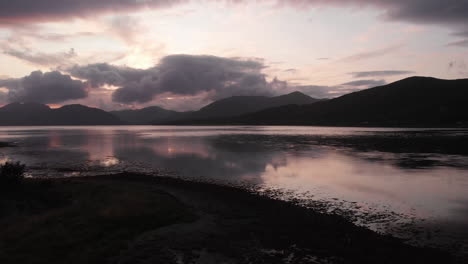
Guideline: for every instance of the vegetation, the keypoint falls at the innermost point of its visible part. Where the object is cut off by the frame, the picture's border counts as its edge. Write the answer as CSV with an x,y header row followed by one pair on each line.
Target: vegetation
x,y
131,218
11,173
80,221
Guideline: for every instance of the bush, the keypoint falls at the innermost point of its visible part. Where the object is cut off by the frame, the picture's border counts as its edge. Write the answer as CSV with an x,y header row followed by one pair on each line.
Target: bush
x,y
12,173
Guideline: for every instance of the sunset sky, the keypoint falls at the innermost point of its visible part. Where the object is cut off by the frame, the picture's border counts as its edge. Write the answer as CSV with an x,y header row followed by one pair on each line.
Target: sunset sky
x,y
181,55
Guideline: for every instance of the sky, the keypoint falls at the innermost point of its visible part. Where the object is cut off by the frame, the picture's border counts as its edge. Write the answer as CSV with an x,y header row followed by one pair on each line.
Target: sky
x,y
182,54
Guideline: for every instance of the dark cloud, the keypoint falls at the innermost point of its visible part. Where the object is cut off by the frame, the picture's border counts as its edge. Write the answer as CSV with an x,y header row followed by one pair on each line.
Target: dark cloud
x,y
366,83
24,11
49,87
427,11
364,74
450,12
193,79
100,74
181,75
446,12
186,79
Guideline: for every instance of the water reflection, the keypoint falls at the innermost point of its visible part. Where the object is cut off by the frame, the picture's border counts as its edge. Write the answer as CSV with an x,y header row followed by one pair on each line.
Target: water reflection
x,y
421,172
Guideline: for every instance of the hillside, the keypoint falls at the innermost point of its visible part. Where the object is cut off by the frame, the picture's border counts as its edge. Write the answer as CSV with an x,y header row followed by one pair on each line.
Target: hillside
x,y
148,115
239,105
415,101
29,114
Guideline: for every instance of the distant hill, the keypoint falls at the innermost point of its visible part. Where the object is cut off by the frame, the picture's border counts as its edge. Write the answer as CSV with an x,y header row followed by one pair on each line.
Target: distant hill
x,y
239,105
415,101
31,114
148,115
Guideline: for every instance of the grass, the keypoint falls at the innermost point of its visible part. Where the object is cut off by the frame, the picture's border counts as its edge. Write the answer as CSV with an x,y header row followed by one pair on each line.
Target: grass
x,y
80,221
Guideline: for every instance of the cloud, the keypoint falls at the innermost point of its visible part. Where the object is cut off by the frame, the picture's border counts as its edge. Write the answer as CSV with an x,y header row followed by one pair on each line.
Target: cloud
x,y
40,58
371,54
447,12
26,11
126,28
100,74
291,70
459,43
181,75
181,82
364,74
192,80
49,87
416,11
367,83
3,97
461,34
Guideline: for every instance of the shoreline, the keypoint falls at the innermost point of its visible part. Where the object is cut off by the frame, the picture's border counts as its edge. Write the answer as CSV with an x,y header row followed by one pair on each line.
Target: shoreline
x,y
222,223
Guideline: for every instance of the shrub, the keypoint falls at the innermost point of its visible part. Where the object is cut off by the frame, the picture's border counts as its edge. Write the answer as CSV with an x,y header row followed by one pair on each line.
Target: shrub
x,y
11,173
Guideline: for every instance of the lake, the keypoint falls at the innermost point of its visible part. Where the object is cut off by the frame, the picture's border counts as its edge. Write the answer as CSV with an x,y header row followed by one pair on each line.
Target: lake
x,y
385,178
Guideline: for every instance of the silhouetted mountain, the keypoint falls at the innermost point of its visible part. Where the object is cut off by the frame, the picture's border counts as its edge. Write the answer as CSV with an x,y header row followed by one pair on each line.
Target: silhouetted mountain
x,y
148,115
415,101
239,105
29,114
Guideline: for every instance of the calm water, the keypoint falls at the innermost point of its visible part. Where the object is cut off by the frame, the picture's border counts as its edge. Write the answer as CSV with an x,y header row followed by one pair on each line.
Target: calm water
x,y
416,173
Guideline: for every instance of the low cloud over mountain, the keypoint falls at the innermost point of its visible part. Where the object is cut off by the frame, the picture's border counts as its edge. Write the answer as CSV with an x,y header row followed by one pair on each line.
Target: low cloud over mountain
x,y
184,79
49,87
180,75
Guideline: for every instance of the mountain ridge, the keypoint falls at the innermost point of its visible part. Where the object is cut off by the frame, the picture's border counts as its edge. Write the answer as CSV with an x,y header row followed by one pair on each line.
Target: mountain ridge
x,y
226,107
239,105
31,114
147,115
414,101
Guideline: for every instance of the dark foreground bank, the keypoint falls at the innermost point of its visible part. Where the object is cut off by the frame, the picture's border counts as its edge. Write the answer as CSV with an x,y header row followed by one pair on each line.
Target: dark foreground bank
x,y
129,218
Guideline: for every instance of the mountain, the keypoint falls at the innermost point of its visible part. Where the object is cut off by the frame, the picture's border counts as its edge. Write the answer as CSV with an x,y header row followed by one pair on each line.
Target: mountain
x,y
34,114
415,101
239,105
148,115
